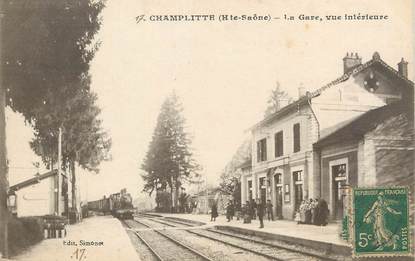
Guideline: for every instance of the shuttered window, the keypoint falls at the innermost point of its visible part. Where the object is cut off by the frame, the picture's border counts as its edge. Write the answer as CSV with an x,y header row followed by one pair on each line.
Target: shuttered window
x,y
279,144
296,134
262,150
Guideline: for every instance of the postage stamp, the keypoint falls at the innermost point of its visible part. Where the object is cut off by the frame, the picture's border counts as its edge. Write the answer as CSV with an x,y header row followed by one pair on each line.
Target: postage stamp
x,y
380,222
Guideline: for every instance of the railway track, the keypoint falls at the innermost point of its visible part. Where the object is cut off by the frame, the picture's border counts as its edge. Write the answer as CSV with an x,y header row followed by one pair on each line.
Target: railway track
x,y
163,246
269,250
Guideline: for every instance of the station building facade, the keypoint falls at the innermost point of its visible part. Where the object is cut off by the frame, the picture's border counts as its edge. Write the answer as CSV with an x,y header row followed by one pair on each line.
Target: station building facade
x,y
285,166
376,149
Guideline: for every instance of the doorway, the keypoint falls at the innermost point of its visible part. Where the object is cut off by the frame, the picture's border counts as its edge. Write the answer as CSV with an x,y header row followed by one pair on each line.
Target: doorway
x,y
249,190
298,188
278,195
262,190
339,180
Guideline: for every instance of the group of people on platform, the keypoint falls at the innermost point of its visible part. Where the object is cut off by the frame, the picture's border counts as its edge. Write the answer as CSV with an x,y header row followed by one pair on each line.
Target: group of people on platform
x,y
311,211
251,210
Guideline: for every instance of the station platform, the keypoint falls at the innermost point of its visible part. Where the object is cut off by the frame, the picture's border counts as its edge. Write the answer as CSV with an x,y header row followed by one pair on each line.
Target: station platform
x,y
322,238
110,242
328,234
318,237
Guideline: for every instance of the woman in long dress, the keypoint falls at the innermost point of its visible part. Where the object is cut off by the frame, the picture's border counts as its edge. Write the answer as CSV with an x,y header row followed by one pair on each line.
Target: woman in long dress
x,y
322,213
214,212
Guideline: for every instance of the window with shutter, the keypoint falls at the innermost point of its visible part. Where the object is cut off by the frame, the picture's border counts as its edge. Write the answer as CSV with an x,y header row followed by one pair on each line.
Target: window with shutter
x,y
297,142
279,144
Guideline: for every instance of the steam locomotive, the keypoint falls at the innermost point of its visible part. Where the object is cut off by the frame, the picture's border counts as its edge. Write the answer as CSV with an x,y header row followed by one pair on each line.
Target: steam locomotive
x,y
118,204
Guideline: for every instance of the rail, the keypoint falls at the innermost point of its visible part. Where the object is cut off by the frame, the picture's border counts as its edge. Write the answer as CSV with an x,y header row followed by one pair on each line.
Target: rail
x,y
145,242
320,257
203,256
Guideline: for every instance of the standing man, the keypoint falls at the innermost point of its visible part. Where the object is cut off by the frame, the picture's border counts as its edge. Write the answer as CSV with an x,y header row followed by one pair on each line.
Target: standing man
x,y
270,215
229,211
253,209
232,210
260,213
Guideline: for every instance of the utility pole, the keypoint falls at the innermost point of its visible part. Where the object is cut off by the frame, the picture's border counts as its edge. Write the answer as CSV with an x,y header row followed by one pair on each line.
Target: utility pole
x,y
4,183
58,189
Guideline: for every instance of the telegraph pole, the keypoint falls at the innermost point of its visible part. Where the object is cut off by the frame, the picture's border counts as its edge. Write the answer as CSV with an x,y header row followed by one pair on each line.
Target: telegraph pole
x,y
59,188
4,184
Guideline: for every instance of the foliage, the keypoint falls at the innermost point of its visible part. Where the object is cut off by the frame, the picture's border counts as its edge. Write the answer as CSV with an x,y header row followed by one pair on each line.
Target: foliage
x,y
24,232
169,159
163,201
183,199
47,51
47,48
277,100
230,179
83,139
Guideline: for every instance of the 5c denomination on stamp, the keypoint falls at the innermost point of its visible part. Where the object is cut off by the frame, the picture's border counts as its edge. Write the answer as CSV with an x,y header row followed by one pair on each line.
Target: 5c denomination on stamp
x,y
380,222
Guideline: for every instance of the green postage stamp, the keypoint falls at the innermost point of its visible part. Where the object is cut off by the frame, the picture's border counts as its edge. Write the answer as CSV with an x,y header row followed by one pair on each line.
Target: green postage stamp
x,y
380,222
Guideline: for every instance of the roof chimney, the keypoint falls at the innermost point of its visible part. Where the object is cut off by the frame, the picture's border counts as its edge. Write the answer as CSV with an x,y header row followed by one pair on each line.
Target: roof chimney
x,y
301,90
351,61
403,68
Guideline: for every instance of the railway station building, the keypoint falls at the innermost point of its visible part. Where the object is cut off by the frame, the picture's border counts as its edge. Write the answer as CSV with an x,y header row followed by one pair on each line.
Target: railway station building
x,y
375,149
290,161
37,195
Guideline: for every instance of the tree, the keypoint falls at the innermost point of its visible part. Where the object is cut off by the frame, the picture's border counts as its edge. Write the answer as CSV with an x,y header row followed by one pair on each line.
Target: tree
x,y
46,46
83,140
169,160
230,179
277,100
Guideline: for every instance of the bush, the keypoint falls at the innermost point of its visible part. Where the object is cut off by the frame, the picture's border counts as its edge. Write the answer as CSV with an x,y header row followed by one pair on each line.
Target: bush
x,y
24,232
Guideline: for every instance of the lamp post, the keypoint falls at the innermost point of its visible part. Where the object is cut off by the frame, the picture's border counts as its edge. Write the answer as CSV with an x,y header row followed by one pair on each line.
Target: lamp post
x,y
12,202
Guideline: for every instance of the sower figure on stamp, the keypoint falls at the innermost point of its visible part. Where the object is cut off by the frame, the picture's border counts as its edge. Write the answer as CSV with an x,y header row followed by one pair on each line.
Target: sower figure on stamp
x,y
384,237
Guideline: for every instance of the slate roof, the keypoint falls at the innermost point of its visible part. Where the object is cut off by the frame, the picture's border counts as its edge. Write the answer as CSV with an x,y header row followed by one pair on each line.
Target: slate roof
x,y
376,61
33,180
354,130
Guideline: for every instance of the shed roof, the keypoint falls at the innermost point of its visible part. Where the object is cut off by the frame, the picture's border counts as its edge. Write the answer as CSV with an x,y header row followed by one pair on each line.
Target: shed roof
x,y
36,179
355,129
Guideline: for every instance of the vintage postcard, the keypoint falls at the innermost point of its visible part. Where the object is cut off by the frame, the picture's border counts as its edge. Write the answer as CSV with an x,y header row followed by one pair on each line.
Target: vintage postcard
x,y
206,130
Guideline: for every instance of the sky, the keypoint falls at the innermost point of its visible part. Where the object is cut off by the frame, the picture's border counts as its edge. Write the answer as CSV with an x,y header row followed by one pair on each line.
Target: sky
x,y
223,73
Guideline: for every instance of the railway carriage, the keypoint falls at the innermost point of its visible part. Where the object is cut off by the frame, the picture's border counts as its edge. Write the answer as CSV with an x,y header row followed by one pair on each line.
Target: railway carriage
x,y
118,204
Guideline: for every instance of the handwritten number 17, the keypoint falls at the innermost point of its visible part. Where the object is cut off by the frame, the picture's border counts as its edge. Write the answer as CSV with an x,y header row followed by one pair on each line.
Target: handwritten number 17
x,y
139,18
79,254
